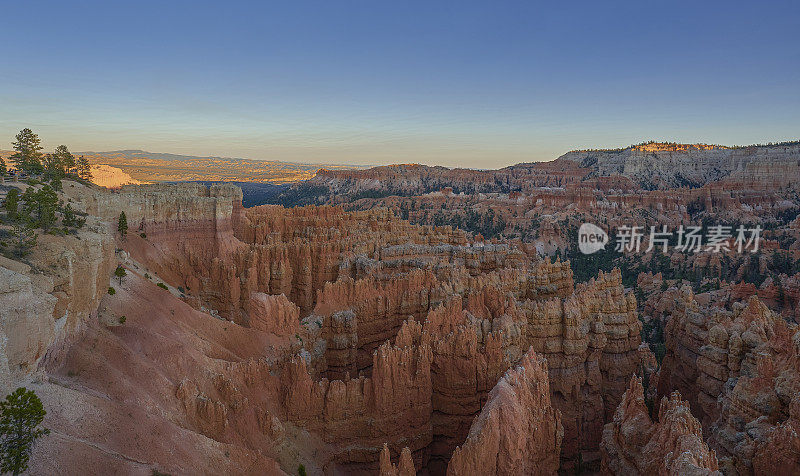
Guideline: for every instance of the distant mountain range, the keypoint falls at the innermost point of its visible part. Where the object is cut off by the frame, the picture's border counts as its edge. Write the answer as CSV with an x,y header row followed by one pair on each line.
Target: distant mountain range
x,y
652,165
161,167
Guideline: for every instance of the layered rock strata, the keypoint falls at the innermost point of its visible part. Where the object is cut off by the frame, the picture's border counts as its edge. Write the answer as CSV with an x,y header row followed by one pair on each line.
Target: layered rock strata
x,y
518,431
634,443
46,303
350,331
739,369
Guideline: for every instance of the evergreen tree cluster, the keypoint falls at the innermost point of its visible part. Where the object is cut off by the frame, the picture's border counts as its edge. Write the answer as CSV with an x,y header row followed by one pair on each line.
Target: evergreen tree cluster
x,y
38,207
29,160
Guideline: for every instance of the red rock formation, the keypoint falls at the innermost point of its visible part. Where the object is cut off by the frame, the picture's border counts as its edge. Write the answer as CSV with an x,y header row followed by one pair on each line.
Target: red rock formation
x,y
154,392
740,370
360,315
591,342
358,416
518,431
780,452
635,444
463,370
363,330
405,467
210,415
293,251
47,302
340,337
275,314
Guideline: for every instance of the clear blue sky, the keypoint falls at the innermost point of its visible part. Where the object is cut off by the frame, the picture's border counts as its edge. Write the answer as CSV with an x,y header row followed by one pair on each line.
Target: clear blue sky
x,y
476,84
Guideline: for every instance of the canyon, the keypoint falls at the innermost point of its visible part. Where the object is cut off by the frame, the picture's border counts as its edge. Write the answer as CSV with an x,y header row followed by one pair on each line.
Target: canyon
x,y
357,335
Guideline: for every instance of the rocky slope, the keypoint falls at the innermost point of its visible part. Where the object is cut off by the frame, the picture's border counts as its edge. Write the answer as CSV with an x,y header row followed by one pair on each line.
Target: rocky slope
x,y
649,166
538,205
111,177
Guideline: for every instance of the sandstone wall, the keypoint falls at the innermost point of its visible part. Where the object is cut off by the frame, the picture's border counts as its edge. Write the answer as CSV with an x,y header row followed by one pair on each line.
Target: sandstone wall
x,y
590,341
359,415
739,369
517,431
43,307
28,327
167,204
673,444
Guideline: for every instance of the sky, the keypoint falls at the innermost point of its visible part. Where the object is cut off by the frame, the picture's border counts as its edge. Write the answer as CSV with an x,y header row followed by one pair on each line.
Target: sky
x,y
469,84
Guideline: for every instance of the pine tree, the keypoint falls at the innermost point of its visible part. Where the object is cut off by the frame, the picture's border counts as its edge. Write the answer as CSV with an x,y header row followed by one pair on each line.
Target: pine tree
x,y
122,225
69,215
53,167
47,205
28,156
12,203
24,238
83,168
3,170
39,208
66,159
20,415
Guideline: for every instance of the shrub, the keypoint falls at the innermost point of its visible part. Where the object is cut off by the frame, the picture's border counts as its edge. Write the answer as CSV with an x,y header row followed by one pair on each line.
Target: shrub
x,y
162,286
112,291
143,235
122,320
120,273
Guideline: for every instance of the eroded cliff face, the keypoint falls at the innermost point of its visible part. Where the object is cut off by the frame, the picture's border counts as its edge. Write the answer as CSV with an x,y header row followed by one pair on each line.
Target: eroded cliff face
x,y
675,165
634,443
336,339
164,390
27,326
404,467
534,205
518,431
591,342
350,340
658,165
476,328
359,415
739,370
48,301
